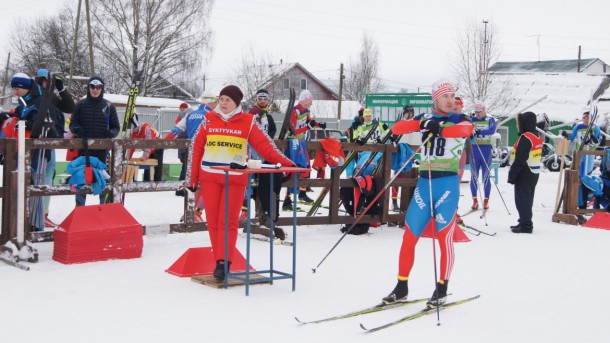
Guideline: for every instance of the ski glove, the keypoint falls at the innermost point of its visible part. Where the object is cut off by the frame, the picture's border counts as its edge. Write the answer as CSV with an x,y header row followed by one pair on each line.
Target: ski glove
x,y
430,125
384,126
192,188
59,83
378,140
322,126
360,141
565,134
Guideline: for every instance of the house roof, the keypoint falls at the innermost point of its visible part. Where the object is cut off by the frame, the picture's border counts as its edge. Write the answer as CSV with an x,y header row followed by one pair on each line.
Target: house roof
x,y
568,94
283,71
557,66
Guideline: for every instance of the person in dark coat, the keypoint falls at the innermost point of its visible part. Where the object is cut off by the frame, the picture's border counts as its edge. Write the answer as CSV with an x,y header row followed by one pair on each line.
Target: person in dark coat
x,y
94,117
525,170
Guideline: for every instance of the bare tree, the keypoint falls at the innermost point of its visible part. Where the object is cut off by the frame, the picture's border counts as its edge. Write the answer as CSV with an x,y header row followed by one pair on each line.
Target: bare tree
x,y
362,75
478,49
167,39
48,44
253,71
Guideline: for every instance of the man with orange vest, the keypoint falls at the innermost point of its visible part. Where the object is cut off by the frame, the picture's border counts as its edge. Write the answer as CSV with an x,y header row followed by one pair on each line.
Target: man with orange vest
x,y
525,170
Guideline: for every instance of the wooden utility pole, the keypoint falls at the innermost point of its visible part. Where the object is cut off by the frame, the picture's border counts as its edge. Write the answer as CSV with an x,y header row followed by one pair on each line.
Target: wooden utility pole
x,y
5,79
92,68
579,54
76,25
340,90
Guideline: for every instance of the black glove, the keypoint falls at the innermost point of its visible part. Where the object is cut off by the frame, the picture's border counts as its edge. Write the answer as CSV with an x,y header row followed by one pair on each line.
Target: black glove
x,y
234,165
392,138
586,141
59,83
565,134
360,141
311,124
384,126
511,181
378,140
192,188
322,125
477,132
430,125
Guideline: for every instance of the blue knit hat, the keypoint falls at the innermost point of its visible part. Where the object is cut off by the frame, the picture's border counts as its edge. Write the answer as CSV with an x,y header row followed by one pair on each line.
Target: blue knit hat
x,y
43,73
21,80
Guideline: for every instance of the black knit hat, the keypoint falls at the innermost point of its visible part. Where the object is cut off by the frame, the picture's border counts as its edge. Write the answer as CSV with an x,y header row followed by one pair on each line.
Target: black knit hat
x,y
234,93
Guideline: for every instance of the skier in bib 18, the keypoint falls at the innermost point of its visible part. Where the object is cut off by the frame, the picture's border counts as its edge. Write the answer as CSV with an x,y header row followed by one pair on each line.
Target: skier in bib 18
x,y
443,136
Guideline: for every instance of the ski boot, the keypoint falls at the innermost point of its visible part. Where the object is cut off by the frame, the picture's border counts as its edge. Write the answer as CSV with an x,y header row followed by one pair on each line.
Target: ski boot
x,y
287,205
486,204
304,198
219,271
399,293
475,204
395,207
439,296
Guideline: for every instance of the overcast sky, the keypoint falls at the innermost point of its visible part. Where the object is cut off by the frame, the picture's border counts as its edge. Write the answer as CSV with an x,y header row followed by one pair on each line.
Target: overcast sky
x,y
416,39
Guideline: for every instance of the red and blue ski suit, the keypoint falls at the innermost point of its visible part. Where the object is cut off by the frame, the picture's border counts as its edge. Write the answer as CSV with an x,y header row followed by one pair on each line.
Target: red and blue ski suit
x,y
442,156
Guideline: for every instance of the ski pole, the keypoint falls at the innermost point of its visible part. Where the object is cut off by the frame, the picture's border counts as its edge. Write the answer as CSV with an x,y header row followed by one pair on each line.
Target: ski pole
x,y
475,178
385,187
433,224
489,176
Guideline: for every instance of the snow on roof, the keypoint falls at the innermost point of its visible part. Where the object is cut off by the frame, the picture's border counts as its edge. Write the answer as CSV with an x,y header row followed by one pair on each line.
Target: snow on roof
x,y
561,66
568,94
142,101
328,108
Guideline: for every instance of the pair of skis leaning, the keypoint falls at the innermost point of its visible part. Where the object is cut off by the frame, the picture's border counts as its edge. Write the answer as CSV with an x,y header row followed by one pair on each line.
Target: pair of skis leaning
x,y
383,306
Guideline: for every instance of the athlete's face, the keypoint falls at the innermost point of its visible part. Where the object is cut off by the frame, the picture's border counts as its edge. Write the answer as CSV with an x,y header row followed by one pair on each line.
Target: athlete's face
x,y
445,102
585,119
480,114
226,104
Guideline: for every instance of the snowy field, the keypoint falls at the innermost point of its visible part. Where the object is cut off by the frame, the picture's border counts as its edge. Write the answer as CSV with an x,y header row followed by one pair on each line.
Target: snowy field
x,y
545,287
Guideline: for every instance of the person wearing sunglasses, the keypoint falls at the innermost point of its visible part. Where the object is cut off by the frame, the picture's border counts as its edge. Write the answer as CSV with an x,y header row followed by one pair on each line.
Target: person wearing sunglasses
x,y
94,117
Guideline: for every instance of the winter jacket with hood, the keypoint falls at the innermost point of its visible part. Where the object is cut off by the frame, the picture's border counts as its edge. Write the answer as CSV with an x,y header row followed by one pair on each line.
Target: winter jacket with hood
x,y
95,117
59,105
527,150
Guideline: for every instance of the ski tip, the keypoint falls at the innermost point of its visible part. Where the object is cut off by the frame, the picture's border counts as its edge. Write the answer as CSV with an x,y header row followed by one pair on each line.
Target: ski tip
x,y
298,320
313,270
363,327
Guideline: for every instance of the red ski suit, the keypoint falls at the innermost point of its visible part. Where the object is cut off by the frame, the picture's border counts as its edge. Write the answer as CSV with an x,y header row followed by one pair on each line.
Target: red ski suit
x,y
218,142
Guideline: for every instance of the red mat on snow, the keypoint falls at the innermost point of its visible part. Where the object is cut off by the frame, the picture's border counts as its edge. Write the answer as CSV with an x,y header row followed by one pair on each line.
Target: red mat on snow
x,y
458,235
600,220
98,233
201,261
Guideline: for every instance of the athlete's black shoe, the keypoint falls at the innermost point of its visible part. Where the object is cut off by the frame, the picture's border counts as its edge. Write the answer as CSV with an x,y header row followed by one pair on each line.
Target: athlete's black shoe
x,y
440,294
304,198
399,293
287,205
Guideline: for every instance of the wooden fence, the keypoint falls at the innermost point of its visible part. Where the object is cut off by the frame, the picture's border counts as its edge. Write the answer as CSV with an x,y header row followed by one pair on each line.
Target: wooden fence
x,y
116,187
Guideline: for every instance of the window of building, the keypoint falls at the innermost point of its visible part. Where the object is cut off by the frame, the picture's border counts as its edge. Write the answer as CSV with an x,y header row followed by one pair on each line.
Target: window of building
x,y
286,83
303,83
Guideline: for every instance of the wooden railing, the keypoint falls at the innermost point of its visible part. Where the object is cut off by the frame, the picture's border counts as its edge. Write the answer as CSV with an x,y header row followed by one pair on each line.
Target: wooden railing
x,y
117,188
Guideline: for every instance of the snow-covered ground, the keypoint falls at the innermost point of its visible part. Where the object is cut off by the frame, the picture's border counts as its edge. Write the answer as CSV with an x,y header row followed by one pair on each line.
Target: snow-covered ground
x,y
546,287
